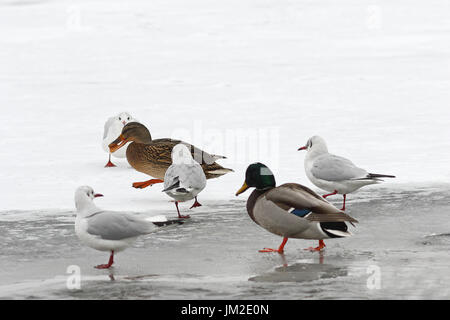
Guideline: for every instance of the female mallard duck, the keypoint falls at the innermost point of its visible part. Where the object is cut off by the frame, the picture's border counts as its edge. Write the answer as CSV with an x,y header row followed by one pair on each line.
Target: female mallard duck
x,y
291,210
153,157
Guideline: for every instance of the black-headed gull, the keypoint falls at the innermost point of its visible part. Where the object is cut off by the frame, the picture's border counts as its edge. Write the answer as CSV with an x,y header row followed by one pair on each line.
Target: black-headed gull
x,y
113,128
108,230
335,174
185,178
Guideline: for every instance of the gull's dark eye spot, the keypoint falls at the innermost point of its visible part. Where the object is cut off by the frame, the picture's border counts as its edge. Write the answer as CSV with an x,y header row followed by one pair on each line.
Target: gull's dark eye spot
x,y
128,118
120,118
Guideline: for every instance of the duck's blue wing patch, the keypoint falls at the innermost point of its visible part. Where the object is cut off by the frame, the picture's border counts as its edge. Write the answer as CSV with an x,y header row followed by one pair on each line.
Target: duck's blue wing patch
x,y
300,212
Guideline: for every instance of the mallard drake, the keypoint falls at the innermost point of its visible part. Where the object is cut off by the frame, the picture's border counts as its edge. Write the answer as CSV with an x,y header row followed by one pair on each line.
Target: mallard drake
x,y
153,157
113,128
185,178
335,174
291,210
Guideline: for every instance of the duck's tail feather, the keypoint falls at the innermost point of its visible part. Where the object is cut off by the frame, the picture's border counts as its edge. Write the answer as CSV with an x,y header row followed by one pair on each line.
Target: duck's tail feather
x,y
221,171
217,157
215,170
338,233
335,229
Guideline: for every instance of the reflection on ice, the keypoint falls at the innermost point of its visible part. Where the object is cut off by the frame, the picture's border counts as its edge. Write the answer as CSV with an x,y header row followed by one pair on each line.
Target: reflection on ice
x,y
302,272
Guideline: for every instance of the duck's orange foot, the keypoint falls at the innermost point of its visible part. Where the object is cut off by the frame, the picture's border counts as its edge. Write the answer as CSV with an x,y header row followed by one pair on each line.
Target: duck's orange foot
x,y
110,164
145,184
317,249
268,250
103,266
196,204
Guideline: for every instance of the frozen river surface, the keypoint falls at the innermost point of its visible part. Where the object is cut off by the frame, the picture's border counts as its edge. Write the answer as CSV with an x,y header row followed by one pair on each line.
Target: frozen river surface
x,y
215,255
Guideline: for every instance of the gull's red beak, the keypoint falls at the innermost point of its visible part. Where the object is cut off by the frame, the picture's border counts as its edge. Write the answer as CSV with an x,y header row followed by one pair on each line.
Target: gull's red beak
x,y
303,148
98,195
117,144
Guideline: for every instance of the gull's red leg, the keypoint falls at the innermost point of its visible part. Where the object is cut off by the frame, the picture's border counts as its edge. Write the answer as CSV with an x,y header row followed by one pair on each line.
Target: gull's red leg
x,y
110,164
179,215
279,250
345,197
110,262
331,194
196,204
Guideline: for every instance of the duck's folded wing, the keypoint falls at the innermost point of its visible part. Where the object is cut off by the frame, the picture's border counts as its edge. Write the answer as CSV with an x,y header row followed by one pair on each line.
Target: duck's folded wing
x,y
161,149
334,168
295,198
166,145
117,226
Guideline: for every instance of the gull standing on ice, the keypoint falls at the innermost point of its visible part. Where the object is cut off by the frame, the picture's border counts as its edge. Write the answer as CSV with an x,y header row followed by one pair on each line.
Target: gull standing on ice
x,y
108,230
113,128
185,178
335,174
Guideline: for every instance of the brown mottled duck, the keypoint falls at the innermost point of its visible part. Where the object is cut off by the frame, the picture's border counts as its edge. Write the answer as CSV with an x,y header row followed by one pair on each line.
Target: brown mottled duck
x,y
153,157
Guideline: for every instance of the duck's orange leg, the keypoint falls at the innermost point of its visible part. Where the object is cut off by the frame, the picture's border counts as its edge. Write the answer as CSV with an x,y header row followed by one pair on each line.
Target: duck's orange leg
x,y
196,204
319,248
145,184
279,250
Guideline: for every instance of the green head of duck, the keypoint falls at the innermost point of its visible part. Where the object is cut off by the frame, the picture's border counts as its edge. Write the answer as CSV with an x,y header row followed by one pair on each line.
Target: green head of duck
x,y
258,176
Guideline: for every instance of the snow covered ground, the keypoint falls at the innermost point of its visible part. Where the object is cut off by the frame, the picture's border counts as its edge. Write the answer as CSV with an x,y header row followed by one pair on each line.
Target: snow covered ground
x,y
370,77
249,79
